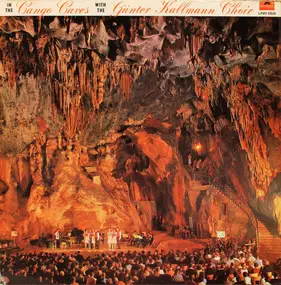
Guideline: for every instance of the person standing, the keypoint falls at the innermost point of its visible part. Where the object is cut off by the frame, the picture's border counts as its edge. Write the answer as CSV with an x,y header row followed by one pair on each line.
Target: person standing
x,y
90,232
189,160
109,239
86,238
97,239
119,238
114,239
93,239
198,164
57,238
91,280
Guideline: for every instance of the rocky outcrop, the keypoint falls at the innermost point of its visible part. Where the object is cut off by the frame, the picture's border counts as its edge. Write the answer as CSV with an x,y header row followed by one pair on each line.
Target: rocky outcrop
x,y
9,199
75,200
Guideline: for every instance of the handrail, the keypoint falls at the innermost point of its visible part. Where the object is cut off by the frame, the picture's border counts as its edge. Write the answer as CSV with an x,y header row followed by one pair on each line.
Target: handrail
x,y
240,202
230,194
202,177
241,229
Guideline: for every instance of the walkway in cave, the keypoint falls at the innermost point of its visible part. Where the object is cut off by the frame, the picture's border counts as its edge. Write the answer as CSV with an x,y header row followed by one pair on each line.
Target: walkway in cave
x,y
267,236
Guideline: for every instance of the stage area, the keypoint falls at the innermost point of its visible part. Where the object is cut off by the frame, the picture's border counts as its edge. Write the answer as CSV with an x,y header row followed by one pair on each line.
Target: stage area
x,y
163,241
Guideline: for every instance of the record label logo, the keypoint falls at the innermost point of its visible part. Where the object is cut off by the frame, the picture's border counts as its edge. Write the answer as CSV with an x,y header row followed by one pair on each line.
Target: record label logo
x,y
267,5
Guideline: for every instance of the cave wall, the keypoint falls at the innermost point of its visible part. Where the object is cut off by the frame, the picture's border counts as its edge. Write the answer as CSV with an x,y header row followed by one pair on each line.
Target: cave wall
x,y
26,111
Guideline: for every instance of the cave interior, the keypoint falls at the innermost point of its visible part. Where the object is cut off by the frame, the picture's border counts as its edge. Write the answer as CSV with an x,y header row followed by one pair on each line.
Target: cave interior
x,y
112,120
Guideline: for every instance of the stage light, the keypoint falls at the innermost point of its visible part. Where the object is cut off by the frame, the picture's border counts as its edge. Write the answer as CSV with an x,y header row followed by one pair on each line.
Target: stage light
x,y
198,146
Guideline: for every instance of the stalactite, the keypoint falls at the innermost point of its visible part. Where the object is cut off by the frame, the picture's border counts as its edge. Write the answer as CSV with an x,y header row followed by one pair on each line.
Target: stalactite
x,y
274,122
129,85
94,91
82,67
65,101
54,112
87,82
118,73
102,78
71,123
121,32
113,79
60,95
126,81
196,43
123,83
133,30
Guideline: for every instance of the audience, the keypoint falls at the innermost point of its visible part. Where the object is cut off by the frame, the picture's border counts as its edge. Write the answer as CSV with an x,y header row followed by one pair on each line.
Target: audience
x,y
218,263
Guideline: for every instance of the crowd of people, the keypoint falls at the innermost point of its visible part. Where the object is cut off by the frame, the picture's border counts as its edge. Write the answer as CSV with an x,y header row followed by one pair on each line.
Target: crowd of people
x,y
221,262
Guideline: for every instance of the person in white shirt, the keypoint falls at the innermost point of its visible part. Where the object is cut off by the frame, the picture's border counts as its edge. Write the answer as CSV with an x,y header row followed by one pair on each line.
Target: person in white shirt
x,y
128,267
259,262
244,268
265,281
4,280
86,238
242,258
93,239
189,160
230,261
114,239
248,280
231,279
251,259
216,259
109,239
89,238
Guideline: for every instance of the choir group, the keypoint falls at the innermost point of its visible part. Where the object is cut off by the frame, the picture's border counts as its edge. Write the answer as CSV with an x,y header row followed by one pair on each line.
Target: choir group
x,y
92,238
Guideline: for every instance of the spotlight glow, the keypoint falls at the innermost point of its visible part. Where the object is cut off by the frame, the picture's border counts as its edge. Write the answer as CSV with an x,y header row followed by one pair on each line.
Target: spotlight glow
x,y
198,146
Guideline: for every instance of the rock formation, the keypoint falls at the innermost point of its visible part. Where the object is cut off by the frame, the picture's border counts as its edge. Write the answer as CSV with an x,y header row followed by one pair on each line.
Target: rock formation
x,y
99,114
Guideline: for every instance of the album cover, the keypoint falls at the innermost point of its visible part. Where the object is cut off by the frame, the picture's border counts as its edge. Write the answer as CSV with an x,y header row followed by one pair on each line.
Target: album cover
x,y
140,142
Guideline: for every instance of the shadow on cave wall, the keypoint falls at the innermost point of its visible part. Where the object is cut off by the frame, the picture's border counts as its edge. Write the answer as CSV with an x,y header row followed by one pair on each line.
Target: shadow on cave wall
x,y
136,168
